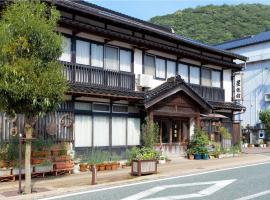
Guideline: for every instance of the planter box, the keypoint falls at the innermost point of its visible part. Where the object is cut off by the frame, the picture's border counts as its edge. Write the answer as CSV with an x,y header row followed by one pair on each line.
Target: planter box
x,y
62,165
143,167
36,161
41,169
62,158
39,154
4,172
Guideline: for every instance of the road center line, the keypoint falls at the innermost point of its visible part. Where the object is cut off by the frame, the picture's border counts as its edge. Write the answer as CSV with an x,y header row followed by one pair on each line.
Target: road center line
x,y
152,181
255,195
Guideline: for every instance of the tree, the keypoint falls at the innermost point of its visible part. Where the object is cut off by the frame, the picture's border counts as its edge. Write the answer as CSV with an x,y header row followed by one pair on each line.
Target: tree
x,y
31,82
264,116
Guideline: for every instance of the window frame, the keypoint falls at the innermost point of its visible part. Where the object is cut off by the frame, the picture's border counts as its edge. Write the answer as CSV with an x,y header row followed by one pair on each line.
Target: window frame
x,y
161,58
176,67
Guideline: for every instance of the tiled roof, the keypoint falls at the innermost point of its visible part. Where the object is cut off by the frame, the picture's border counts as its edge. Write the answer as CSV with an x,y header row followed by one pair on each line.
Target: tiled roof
x,y
245,41
103,91
87,7
226,106
171,84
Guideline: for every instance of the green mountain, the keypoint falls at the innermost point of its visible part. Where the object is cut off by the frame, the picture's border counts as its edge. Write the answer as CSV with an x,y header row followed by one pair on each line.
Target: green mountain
x,y
214,24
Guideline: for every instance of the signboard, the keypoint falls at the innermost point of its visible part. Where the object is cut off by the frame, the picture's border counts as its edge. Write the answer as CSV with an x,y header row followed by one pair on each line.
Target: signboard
x,y
238,94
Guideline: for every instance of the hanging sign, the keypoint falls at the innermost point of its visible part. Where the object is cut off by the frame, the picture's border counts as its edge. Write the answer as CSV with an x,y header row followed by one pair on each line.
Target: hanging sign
x,y
238,87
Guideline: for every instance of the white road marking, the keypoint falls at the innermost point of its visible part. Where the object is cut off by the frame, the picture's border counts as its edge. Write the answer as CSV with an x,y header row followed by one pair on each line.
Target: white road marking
x,y
216,185
255,195
152,181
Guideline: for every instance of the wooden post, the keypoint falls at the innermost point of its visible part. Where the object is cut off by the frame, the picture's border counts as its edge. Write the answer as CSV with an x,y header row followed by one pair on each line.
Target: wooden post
x,y
171,135
28,136
94,175
198,120
150,115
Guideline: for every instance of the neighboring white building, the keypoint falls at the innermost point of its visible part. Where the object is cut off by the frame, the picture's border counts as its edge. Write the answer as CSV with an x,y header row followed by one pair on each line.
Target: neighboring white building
x,y
256,77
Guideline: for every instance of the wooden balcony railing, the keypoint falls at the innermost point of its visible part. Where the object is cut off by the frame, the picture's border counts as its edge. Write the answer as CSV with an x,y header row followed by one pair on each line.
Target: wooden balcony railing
x,y
85,74
209,93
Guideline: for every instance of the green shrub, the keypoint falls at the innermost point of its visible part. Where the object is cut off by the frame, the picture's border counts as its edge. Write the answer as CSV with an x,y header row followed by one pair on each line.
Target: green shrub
x,y
150,132
224,133
143,153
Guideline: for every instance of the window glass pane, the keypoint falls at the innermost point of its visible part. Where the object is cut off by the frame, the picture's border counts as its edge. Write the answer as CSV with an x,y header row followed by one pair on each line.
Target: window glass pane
x,y
160,68
216,79
97,55
82,106
133,131
183,71
206,77
66,46
171,68
194,75
120,109
83,131
101,131
111,58
119,131
101,107
125,60
82,52
149,65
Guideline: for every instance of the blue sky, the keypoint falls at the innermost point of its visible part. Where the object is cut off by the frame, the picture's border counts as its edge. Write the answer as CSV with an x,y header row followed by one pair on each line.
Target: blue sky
x,y
145,9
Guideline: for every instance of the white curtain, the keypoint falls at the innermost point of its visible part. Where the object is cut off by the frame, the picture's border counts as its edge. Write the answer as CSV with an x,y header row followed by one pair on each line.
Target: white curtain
x,y
82,106
206,77
66,46
160,68
97,55
111,58
216,79
194,75
82,52
101,131
125,60
83,131
119,131
183,71
134,131
171,68
149,65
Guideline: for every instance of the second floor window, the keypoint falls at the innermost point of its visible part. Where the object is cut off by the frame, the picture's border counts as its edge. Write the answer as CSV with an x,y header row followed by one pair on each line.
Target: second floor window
x,y
149,65
82,52
160,68
125,60
194,75
96,55
66,46
171,68
111,58
183,71
216,79
206,77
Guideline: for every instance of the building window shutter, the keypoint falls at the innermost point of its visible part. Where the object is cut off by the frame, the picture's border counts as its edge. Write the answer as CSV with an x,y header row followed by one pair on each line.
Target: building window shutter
x,y
183,71
83,131
111,58
216,79
206,77
101,131
194,75
149,65
171,68
66,46
134,131
96,55
125,60
119,131
160,68
82,52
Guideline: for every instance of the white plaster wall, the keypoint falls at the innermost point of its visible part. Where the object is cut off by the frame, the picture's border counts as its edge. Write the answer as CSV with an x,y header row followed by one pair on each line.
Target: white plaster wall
x,y
257,52
227,84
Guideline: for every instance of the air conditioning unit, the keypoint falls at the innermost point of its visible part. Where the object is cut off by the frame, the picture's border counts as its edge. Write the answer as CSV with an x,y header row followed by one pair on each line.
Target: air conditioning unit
x,y
144,80
267,97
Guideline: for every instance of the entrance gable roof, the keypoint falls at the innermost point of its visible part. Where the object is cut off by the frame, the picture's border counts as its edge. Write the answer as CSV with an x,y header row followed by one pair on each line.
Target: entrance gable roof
x,y
170,87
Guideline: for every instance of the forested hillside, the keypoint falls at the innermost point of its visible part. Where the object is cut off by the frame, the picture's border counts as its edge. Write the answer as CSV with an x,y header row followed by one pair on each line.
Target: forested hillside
x,y
214,24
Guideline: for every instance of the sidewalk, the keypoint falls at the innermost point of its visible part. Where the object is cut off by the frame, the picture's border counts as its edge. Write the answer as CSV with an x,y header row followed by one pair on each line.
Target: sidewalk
x,y
53,186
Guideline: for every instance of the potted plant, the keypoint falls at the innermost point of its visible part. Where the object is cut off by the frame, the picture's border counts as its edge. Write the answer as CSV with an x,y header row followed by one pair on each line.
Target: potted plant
x,y
162,160
115,161
45,166
190,153
198,142
144,162
204,153
40,147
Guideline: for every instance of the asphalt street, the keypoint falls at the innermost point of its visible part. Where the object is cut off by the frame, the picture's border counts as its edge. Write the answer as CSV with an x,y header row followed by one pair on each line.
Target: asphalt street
x,y
241,183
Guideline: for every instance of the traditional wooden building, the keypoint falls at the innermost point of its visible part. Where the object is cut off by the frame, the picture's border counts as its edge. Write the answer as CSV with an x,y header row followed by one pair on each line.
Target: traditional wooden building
x,y
121,69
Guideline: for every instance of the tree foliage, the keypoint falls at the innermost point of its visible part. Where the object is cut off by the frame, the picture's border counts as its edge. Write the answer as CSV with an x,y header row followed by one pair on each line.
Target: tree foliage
x,y
150,132
264,116
31,81
215,24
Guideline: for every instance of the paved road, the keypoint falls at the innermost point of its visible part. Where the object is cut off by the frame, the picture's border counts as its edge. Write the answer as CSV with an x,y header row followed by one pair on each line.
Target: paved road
x,y
241,183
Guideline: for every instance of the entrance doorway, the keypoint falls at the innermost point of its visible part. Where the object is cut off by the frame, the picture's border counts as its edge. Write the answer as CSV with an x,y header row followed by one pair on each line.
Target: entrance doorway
x,y
174,134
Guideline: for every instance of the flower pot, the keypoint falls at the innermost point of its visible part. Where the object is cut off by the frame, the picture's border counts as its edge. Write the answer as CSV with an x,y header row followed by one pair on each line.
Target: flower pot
x,y
114,166
39,154
62,158
101,167
83,167
108,166
191,157
205,156
143,167
36,161
63,165
197,156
